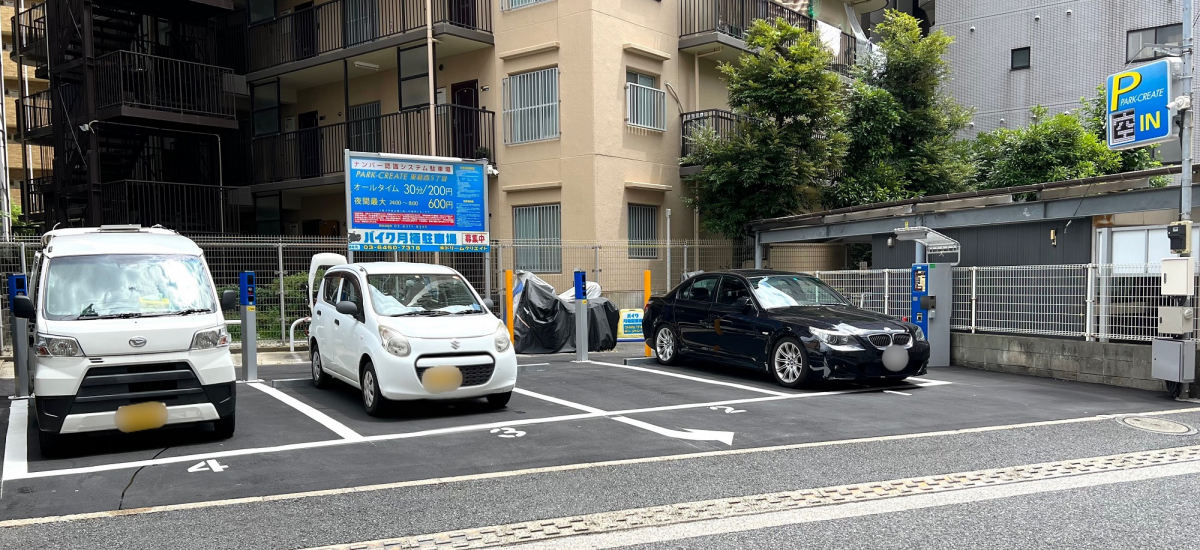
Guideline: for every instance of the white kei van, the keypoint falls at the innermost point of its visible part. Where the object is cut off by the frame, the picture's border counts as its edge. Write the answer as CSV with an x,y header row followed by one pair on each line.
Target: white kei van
x,y
127,334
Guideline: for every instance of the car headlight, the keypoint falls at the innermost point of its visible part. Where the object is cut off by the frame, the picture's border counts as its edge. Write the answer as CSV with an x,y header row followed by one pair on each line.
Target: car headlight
x,y
502,341
836,339
58,346
394,342
211,338
918,334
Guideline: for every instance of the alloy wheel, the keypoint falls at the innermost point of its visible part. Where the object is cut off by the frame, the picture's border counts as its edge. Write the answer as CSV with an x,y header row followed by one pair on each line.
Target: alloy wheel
x,y
665,344
788,362
368,389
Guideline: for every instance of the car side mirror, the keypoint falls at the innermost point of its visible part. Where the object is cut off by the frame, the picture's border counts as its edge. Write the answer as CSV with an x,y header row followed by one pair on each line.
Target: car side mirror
x,y
488,303
23,308
229,300
347,308
744,303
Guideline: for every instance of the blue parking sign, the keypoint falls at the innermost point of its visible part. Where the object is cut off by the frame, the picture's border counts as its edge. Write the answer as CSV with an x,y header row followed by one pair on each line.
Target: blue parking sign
x,y
1139,105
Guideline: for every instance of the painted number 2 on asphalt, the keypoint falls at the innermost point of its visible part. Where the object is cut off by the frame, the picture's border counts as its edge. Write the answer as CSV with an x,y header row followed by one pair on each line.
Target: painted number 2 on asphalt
x,y
507,432
728,410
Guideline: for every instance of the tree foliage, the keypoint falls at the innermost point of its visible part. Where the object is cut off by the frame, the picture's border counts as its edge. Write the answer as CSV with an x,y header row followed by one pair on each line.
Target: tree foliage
x,y
902,125
788,144
1051,148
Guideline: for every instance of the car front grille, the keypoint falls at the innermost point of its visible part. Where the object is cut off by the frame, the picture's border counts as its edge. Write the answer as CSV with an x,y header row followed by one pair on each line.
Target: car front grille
x,y
473,375
107,388
882,340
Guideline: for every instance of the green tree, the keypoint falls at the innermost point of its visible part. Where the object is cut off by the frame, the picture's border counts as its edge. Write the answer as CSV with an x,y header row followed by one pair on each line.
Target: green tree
x,y
790,141
1095,118
902,125
1052,148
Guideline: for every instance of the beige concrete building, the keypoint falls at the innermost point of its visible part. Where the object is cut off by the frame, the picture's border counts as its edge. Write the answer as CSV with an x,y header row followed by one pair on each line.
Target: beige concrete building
x,y
582,105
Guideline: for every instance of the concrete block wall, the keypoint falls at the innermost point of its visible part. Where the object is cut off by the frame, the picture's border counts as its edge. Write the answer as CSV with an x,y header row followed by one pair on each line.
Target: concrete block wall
x,y
1114,364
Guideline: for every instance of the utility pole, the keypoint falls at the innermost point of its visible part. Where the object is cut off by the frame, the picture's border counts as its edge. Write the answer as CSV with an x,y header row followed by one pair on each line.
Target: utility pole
x,y
1185,138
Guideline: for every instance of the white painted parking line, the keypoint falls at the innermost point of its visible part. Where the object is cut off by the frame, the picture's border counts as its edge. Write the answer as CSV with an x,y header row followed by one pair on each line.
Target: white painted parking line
x,y
687,433
896,392
557,401
540,470
337,427
693,378
441,431
16,452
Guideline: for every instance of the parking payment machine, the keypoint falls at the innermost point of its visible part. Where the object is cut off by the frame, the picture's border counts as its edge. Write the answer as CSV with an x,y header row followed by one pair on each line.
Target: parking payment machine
x,y
932,289
20,336
929,283
249,327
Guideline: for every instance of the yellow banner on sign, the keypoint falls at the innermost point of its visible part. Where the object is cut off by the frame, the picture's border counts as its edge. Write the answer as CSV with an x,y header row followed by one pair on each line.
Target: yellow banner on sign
x,y
630,325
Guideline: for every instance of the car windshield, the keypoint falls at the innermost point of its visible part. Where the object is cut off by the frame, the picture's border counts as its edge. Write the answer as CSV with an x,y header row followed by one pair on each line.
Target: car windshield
x,y
126,285
396,295
778,291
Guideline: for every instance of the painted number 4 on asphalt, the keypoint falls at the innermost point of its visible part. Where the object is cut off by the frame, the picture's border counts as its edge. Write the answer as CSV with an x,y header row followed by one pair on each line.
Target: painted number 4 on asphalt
x,y
208,466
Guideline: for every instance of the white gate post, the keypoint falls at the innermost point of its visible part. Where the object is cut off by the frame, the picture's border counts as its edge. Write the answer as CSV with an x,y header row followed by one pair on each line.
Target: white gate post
x,y
974,298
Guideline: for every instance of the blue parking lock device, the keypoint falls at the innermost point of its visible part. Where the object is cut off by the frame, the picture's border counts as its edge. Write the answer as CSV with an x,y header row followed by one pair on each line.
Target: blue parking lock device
x,y
581,330
16,285
246,299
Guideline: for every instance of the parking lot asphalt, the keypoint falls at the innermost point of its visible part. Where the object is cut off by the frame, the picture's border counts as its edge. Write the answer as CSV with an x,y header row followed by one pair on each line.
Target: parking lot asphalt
x,y
576,438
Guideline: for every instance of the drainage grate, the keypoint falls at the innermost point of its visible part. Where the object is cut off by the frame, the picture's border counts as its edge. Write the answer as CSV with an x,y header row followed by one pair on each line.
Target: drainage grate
x,y
1157,425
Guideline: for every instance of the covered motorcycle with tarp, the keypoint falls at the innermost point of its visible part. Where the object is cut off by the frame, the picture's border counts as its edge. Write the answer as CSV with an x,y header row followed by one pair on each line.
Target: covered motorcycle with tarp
x,y
544,322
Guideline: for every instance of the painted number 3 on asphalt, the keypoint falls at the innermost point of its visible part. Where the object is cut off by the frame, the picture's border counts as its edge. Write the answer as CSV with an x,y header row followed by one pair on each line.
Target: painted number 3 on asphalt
x,y
507,432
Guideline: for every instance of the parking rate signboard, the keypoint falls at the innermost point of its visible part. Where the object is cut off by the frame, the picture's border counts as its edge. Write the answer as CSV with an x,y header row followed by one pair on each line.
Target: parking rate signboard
x,y
404,203
1140,108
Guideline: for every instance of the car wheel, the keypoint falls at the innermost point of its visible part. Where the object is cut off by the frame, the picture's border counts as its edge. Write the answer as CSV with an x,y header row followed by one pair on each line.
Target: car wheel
x,y
666,345
319,377
499,400
50,443
373,401
224,426
789,363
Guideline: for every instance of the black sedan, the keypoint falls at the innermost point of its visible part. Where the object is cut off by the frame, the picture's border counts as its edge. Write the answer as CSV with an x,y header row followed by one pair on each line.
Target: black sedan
x,y
793,325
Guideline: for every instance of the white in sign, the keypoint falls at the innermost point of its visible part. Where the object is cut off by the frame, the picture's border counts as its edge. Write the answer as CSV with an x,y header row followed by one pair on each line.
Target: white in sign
x,y
208,466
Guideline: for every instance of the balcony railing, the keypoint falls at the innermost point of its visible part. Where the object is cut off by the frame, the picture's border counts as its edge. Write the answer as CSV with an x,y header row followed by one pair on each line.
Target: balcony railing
x,y
462,132
150,82
31,32
724,123
36,109
343,23
847,54
33,198
184,207
646,107
733,17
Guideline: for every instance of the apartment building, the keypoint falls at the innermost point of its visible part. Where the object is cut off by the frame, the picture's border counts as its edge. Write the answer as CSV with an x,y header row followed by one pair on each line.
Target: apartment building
x,y
18,168
582,106
1009,56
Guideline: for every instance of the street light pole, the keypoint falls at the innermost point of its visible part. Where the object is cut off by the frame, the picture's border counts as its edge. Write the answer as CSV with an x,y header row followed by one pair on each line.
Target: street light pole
x,y
1185,139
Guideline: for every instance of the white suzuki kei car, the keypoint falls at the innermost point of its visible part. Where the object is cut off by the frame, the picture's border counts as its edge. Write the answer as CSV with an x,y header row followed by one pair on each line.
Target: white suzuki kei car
x,y
407,332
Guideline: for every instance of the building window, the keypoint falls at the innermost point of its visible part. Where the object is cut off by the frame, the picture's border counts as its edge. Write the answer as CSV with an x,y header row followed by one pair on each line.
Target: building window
x,y
414,77
1138,44
506,5
537,235
265,107
531,106
1020,59
645,105
261,10
643,232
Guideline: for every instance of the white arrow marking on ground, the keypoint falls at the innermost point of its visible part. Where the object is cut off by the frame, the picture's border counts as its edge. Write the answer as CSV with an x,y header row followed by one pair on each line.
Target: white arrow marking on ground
x,y
689,434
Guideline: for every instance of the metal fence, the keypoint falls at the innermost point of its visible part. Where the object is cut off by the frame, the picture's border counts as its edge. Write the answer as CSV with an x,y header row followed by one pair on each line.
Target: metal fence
x,y
645,107
1095,302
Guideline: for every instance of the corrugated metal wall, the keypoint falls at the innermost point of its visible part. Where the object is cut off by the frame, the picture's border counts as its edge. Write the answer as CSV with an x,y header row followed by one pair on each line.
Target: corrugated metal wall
x,y
1001,245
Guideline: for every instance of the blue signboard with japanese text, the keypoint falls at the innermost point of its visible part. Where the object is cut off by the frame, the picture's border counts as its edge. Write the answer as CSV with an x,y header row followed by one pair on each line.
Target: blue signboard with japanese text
x,y
1140,108
405,203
